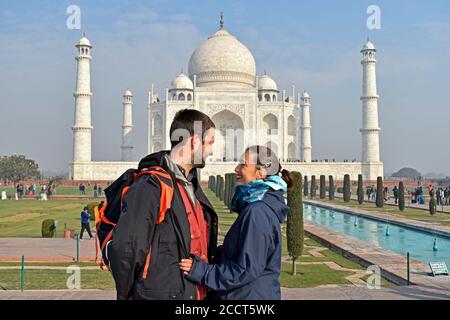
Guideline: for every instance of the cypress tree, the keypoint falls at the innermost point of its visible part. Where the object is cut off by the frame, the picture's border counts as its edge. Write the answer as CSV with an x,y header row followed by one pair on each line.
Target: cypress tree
x,y
305,187
222,188
432,206
217,185
330,188
379,200
313,187
322,187
360,189
295,229
347,193
401,196
226,189
231,193
213,183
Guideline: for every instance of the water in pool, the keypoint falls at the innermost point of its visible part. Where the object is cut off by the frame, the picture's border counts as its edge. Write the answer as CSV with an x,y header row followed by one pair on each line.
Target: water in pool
x,y
423,246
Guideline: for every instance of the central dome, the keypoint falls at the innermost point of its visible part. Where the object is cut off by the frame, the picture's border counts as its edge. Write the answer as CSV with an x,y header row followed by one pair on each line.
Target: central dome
x,y
223,61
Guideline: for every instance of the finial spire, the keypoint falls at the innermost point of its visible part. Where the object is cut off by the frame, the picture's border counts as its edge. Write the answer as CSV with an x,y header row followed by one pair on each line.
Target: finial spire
x,y
84,34
221,20
181,69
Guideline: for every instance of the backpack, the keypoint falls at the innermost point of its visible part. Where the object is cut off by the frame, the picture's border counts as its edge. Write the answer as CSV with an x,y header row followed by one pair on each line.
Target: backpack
x,y
109,213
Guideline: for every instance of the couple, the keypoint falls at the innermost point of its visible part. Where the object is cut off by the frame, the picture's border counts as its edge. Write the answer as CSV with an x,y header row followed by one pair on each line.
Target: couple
x,y
179,258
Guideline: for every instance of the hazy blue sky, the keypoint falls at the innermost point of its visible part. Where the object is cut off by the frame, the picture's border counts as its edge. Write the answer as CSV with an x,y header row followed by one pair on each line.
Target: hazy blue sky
x,y
312,44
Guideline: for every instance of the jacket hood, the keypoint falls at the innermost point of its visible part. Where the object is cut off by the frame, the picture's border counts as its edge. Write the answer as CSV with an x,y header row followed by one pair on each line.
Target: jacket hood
x,y
275,200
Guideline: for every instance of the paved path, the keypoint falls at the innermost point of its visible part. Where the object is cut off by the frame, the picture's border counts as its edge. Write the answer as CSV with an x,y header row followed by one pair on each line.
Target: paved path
x,y
49,250
320,293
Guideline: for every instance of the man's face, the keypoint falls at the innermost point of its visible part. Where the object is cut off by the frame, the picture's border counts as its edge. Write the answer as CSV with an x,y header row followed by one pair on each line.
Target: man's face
x,y
205,148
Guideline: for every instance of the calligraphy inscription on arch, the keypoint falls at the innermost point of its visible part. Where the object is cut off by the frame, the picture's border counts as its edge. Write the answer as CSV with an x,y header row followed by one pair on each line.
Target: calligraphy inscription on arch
x,y
239,109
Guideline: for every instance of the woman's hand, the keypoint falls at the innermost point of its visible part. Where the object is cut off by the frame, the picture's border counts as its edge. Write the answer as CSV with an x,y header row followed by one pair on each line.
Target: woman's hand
x,y
186,265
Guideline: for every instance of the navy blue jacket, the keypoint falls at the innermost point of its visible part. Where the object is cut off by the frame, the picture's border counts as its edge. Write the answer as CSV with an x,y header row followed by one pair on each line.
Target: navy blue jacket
x,y
248,264
85,217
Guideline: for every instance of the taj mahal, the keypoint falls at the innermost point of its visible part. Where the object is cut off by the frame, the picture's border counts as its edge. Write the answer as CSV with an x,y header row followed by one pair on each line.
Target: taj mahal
x,y
246,108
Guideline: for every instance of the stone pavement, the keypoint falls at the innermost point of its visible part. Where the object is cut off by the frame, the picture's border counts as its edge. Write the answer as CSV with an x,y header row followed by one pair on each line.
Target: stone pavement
x,y
319,293
49,250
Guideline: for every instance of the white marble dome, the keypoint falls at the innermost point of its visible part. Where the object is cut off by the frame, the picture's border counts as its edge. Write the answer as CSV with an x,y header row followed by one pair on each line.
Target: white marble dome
x,y
182,82
267,83
368,46
128,93
84,42
223,61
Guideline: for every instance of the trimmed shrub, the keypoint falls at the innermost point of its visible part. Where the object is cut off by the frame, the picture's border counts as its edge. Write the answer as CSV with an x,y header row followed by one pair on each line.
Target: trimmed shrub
x,y
347,193
313,187
432,206
331,188
322,187
305,187
401,196
360,189
48,228
379,200
295,228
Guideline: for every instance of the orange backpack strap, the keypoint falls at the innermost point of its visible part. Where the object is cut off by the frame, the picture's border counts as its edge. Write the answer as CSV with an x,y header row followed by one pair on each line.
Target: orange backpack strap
x,y
167,188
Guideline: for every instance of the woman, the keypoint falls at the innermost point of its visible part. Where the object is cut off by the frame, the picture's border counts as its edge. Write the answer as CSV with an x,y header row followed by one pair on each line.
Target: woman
x,y
248,264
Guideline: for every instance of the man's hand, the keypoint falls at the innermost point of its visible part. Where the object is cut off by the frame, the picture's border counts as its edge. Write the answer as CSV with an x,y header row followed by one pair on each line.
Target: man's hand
x,y
186,265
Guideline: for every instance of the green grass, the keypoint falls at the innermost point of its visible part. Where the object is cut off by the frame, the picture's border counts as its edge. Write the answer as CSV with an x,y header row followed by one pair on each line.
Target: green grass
x,y
55,279
61,191
311,276
23,218
410,213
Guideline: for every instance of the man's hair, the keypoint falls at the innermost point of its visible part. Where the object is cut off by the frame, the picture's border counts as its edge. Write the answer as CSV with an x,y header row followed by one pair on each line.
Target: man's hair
x,y
185,119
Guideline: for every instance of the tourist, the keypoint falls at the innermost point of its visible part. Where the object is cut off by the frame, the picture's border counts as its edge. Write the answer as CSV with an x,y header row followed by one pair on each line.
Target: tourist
x,y
99,191
190,229
95,190
446,196
368,191
85,217
249,264
395,191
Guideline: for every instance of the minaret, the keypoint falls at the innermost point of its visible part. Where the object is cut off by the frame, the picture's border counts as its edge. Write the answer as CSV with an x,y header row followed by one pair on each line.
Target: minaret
x,y
370,130
305,128
127,127
82,128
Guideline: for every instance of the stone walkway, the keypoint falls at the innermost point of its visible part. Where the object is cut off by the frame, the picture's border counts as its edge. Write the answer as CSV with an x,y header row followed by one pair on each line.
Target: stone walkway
x,y
49,250
319,293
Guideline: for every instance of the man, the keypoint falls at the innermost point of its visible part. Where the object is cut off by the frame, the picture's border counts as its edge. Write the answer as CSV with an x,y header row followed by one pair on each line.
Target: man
x,y
85,216
143,255
395,190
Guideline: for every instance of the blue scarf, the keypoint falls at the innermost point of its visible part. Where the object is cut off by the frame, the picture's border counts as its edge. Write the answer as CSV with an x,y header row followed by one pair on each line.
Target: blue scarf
x,y
255,191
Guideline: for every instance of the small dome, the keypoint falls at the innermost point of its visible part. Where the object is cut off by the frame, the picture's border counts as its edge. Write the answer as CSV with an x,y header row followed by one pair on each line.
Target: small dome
x,y
222,60
84,42
368,46
267,83
182,82
305,95
128,93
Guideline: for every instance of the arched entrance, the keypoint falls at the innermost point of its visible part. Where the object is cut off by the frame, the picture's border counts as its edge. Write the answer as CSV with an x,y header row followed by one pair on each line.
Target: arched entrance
x,y
229,140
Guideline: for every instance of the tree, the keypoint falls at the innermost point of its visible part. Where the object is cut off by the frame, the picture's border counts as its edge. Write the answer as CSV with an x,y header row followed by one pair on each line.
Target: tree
x,y
347,193
313,187
17,168
379,200
322,187
432,205
401,196
295,228
360,189
226,189
222,188
408,173
331,188
305,187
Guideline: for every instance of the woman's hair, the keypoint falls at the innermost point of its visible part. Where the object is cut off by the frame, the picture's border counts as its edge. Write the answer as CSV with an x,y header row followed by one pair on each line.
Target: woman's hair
x,y
267,159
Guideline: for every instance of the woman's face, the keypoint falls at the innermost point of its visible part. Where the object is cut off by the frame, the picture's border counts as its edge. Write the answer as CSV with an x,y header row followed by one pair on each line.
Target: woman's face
x,y
246,171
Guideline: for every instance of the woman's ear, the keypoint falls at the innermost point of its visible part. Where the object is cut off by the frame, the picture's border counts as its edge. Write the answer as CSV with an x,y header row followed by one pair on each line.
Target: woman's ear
x,y
261,174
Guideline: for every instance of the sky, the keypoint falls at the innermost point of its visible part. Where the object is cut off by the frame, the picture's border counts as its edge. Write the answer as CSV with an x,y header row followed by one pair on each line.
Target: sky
x,y
312,44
